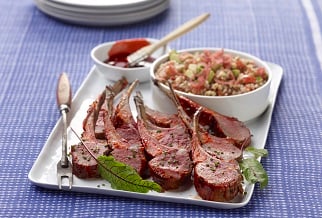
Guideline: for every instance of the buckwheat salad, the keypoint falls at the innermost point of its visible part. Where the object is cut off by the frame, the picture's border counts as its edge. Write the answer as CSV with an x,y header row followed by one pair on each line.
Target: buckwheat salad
x,y
211,73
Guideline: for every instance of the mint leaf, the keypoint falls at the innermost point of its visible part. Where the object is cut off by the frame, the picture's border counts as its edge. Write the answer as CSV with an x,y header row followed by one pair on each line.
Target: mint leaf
x,y
124,177
257,152
253,171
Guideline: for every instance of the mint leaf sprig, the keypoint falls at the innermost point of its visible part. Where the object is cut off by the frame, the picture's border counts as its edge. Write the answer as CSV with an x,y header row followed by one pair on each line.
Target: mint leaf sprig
x,y
252,169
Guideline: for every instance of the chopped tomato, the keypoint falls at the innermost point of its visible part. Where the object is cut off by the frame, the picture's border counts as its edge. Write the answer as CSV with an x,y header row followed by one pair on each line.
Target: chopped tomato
x,y
198,85
247,79
240,65
171,71
261,73
227,60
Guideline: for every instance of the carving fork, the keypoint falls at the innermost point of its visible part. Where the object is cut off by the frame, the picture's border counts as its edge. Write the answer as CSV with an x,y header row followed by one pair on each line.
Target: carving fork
x,y
64,96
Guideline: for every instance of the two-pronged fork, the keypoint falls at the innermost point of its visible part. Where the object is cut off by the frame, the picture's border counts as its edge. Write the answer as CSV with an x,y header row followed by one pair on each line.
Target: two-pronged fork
x,y
64,97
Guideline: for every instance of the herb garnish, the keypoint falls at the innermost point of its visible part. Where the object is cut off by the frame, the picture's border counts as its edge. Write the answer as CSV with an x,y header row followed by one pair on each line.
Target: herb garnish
x,y
252,169
124,177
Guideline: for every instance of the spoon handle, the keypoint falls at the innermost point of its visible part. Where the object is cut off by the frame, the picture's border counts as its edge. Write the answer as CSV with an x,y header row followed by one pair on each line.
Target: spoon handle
x,y
186,27
146,51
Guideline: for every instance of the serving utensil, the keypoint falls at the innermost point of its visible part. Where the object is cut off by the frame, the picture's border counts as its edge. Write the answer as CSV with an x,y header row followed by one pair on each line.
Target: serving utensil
x,y
64,96
146,51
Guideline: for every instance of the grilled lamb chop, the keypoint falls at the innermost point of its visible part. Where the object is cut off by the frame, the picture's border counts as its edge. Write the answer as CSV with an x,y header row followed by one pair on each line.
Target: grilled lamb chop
x,y
217,176
167,143
162,119
217,180
214,179
218,124
84,165
122,134
171,169
99,128
221,148
215,123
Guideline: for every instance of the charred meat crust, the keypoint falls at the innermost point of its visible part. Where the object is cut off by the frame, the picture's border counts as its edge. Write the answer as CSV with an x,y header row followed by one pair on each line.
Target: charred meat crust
x,y
122,134
168,145
218,180
171,169
217,124
84,165
216,173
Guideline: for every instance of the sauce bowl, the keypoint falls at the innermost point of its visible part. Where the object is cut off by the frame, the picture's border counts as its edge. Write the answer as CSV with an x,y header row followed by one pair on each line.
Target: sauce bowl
x,y
99,55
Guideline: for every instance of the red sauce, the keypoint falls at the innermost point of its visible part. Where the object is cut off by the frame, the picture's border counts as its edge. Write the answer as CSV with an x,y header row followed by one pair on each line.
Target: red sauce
x,y
117,55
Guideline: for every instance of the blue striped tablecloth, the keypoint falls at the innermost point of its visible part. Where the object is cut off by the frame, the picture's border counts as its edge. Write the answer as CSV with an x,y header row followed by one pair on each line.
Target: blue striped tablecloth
x,y
35,48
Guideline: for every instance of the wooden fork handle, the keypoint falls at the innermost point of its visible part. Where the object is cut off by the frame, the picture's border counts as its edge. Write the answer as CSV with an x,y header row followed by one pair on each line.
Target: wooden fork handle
x,y
64,92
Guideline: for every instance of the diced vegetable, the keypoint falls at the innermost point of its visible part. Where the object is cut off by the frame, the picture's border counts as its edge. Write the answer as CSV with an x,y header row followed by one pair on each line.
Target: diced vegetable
x,y
211,75
174,56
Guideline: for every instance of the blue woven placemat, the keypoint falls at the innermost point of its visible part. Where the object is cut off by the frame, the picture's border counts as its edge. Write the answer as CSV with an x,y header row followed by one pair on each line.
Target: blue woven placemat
x,y
35,49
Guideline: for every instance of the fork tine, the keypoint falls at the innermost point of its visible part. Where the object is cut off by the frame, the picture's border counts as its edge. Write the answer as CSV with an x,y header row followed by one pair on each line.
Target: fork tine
x,y
60,178
64,172
70,181
59,182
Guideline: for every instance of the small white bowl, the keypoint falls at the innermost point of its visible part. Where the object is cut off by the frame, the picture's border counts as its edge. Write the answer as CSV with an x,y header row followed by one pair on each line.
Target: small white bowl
x,y
244,107
100,53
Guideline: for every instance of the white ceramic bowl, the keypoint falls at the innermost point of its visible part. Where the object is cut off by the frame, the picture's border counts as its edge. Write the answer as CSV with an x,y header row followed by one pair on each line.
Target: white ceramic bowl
x,y
244,107
100,53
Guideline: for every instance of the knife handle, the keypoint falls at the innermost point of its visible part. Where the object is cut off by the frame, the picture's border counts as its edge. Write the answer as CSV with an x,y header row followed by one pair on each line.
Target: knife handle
x,y
64,92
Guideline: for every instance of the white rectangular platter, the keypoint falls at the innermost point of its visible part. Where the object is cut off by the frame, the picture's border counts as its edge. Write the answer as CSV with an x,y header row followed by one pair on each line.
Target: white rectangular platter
x,y
43,172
